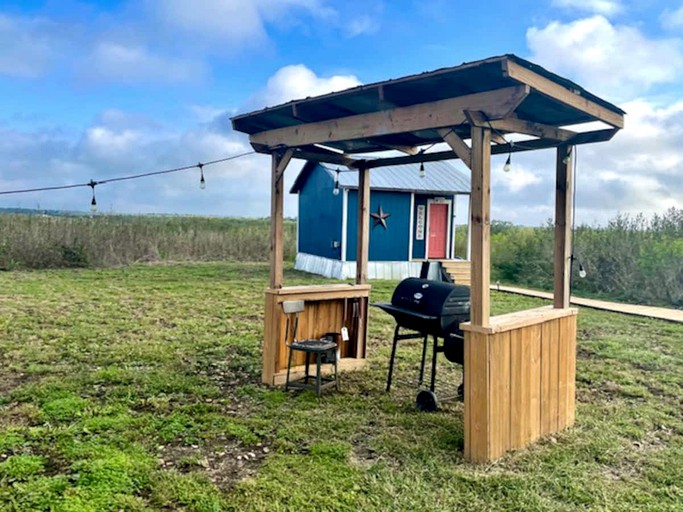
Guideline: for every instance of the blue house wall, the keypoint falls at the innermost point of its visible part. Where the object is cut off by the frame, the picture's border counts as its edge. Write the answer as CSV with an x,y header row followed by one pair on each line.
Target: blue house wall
x,y
320,216
391,244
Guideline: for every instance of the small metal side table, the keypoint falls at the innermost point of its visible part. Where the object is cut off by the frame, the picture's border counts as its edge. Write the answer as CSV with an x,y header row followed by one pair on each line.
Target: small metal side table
x,y
324,351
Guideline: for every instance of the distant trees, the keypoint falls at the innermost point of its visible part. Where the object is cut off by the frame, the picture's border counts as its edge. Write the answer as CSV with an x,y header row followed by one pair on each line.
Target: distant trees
x,y
632,258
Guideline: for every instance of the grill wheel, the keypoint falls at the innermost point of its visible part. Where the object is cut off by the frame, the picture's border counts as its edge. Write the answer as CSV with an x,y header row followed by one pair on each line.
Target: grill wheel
x,y
426,401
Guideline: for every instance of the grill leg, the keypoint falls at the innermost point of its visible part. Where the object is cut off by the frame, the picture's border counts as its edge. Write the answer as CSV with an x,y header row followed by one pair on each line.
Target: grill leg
x,y
391,361
433,385
424,356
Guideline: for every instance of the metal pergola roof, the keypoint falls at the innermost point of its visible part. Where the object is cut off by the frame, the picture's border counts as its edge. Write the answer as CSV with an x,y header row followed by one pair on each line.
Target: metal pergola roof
x,y
506,93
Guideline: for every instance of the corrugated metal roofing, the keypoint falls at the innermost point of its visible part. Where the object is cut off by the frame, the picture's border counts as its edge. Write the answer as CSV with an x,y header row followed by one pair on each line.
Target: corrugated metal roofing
x,y
440,177
466,79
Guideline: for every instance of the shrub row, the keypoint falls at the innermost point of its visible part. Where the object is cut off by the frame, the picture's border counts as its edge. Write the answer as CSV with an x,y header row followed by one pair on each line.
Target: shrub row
x,y
33,241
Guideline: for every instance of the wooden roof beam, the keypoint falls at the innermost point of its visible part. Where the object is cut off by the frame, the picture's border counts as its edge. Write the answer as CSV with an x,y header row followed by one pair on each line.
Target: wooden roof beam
x,y
515,125
517,147
559,93
457,145
496,104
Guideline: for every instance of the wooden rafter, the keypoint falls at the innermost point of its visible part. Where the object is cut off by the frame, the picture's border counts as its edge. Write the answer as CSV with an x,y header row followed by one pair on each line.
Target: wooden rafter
x,y
529,145
562,94
457,145
495,104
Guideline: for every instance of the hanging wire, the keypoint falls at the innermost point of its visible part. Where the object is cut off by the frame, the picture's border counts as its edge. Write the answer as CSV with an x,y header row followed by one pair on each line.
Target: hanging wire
x,y
124,178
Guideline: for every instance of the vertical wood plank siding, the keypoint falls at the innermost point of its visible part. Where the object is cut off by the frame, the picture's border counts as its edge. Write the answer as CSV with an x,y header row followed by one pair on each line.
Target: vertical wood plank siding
x,y
519,385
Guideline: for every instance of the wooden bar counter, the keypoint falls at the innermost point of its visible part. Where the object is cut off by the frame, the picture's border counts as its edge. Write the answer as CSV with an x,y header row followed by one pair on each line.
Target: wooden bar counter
x,y
327,309
519,380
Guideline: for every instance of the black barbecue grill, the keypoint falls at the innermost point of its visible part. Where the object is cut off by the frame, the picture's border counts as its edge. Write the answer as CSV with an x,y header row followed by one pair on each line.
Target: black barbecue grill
x,y
429,308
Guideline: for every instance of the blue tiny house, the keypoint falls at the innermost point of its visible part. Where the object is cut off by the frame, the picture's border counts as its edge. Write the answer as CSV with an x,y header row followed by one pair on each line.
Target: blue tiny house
x,y
412,212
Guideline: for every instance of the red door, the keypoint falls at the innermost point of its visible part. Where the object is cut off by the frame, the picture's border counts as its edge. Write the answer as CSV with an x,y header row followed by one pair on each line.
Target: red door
x,y
438,230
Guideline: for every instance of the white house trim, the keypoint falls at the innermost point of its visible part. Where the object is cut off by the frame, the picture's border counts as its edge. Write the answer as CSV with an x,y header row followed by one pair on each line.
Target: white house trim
x,y
412,227
439,200
345,222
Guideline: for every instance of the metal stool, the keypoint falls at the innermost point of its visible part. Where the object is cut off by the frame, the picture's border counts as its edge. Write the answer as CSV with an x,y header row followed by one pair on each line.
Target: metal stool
x,y
324,350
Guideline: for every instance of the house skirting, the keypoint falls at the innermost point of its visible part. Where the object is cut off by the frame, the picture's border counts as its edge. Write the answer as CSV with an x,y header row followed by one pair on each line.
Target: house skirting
x,y
337,269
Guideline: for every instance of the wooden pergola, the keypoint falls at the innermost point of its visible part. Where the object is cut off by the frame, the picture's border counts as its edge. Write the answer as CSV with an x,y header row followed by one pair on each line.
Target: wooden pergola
x,y
519,367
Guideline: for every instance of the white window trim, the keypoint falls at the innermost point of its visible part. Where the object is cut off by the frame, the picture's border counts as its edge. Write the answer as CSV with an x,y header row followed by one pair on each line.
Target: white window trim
x,y
439,200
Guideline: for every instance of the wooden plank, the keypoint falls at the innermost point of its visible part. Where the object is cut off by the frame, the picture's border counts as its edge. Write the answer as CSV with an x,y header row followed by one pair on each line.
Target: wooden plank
x,y
571,372
457,145
495,104
270,339
563,371
499,394
467,399
602,135
546,399
519,388
563,227
543,131
477,406
554,363
363,226
532,336
562,94
481,226
276,221
519,319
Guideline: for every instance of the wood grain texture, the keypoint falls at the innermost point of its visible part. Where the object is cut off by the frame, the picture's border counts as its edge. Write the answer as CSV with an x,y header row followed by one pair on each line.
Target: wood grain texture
x,y
481,227
499,399
563,227
495,104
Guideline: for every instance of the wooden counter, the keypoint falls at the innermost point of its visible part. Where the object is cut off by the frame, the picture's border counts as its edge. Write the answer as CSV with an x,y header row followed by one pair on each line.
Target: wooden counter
x,y
327,308
519,380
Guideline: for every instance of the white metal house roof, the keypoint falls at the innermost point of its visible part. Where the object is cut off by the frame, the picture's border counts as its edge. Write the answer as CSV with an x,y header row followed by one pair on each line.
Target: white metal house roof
x,y
440,177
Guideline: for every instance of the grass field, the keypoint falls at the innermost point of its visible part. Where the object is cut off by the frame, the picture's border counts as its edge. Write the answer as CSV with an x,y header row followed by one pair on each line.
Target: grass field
x,y
138,389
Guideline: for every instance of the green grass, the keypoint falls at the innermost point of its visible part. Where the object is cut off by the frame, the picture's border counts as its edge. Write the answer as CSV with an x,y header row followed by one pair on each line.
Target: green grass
x,y
138,389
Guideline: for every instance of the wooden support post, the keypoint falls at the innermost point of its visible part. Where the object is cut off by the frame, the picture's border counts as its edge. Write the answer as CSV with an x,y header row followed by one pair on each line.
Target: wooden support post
x,y
363,225
481,226
279,164
563,227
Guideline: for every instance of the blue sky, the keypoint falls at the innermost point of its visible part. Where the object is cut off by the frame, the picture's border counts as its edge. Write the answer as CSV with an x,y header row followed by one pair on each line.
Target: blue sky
x,y
103,89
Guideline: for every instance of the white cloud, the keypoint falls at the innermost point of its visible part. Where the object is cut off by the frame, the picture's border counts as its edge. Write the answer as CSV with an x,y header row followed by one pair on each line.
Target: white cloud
x,y
234,23
672,19
362,25
606,7
616,61
129,63
27,46
297,82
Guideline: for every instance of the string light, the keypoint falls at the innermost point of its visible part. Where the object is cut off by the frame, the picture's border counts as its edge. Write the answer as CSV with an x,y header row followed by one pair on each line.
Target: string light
x,y
92,183
202,181
582,271
423,173
508,162
93,202
335,190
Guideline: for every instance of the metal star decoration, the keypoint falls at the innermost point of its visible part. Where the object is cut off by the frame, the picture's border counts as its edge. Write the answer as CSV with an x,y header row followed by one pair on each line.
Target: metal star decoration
x,y
380,218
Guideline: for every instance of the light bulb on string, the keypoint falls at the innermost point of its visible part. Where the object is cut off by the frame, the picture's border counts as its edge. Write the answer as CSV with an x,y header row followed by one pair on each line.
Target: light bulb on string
x,y
202,181
508,162
335,190
423,173
582,271
93,201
